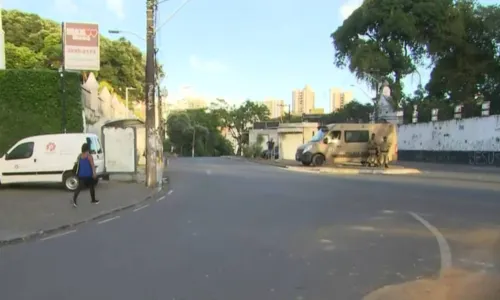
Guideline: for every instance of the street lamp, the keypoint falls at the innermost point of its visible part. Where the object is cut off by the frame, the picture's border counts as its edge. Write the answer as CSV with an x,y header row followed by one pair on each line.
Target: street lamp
x,y
116,31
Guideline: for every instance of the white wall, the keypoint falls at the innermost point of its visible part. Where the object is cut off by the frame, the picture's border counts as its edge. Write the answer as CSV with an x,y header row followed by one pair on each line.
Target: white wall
x,y
266,133
474,134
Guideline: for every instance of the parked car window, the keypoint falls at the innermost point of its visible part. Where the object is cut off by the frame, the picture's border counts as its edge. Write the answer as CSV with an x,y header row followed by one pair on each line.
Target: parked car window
x,y
98,145
336,135
357,136
22,151
92,145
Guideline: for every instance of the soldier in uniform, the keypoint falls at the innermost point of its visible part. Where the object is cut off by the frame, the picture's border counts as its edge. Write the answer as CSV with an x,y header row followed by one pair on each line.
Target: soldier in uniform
x,y
384,152
372,151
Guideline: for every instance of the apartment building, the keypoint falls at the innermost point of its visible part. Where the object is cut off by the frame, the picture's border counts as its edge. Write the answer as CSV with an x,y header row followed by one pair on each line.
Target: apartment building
x,y
339,98
303,100
276,108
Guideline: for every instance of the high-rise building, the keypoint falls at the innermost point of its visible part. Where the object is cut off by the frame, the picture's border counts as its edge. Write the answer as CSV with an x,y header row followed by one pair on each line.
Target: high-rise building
x,y
303,100
276,107
339,98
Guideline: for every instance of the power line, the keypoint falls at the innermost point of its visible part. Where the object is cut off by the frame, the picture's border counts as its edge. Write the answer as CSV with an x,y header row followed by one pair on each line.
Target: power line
x,y
173,14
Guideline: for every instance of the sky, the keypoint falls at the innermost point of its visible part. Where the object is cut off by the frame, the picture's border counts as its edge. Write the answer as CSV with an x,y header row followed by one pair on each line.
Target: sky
x,y
235,50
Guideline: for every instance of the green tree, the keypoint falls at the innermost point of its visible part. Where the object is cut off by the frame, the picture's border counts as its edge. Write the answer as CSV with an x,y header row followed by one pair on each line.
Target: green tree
x,y
466,61
352,112
203,126
22,57
34,42
239,119
387,39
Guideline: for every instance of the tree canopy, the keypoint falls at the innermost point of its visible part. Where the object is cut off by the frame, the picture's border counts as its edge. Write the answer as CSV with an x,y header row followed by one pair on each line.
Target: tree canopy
x,y
239,119
200,128
33,42
459,40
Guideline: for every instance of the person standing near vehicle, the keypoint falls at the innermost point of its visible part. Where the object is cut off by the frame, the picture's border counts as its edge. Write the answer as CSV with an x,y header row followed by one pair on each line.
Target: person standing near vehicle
x,y
86,174
372,151
384,152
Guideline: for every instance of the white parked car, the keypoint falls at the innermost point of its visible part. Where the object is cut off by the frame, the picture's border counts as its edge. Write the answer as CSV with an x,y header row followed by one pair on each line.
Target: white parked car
x,y
49,159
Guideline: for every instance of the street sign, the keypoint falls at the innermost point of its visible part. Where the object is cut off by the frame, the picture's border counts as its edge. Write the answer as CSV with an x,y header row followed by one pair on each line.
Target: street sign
x,y
81,46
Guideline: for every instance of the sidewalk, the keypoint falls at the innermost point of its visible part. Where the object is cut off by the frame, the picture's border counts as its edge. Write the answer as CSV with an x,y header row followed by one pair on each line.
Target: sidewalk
x,y
455,171
29,211
429,170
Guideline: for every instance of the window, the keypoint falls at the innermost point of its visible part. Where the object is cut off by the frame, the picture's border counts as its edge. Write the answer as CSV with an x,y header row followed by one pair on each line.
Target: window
x,y
22,151
98,146
336,135
92,146
357,136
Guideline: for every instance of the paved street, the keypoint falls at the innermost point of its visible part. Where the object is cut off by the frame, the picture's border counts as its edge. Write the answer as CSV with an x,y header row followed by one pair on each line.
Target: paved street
x,y
231,229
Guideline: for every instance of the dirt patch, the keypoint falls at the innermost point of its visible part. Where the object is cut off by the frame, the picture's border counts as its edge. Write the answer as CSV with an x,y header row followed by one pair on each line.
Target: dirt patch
x,y
454,284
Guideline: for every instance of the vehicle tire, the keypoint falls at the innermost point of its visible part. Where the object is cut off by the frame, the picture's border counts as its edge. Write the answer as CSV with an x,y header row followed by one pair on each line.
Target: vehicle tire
x,y
306,163
318,160
70,181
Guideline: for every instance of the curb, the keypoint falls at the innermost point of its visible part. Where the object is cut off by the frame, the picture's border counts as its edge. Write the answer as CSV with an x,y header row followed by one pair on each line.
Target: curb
x,y
347,171
39,233
453,176
320,170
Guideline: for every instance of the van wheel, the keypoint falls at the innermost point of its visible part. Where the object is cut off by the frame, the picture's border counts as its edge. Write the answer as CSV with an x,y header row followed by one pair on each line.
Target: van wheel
x,y
318,160
306,163
70,181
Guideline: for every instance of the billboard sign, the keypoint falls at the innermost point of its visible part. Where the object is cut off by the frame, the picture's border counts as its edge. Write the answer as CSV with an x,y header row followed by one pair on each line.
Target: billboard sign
x,y
81,46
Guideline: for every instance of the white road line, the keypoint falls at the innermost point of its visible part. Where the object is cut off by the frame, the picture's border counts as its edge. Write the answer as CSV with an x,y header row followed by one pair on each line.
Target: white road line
x,y
208,172
108,220
444,248
161,198
58,235
139,208
170,192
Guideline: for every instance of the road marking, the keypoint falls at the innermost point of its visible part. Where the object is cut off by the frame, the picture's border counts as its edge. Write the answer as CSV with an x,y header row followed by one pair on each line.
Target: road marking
x,y
161,198
57,235
208,172
444,248
170,192
139,208
108,220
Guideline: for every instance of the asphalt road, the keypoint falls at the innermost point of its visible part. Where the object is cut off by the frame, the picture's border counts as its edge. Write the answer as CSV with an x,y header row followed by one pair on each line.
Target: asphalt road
x,y
236,230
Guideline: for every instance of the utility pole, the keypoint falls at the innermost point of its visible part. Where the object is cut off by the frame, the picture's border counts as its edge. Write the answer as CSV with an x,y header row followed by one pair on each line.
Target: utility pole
x,y
289,112
151,143
161,126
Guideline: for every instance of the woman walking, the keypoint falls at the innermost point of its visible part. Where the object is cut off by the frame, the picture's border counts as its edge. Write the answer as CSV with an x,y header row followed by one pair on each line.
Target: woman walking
x,y
85,171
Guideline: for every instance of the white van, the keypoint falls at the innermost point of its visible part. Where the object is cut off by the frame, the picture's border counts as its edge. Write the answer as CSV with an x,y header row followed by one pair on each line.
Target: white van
x,y
49,159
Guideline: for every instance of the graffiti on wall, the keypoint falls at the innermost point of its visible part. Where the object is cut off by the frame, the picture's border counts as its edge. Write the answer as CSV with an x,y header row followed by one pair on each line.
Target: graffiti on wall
x,y
475,158
484,158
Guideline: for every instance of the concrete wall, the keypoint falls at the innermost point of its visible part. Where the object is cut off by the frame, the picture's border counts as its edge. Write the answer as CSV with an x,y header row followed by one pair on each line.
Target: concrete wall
x,y
101,107
267,134
474,141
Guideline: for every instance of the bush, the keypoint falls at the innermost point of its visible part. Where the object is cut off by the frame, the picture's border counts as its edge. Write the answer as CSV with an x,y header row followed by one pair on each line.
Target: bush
x,y
30,104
